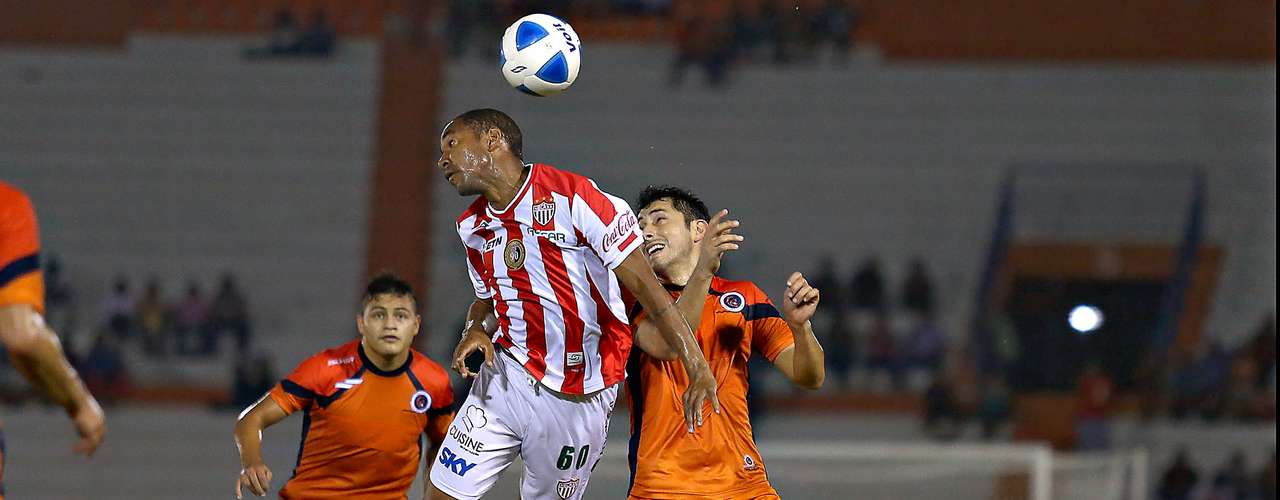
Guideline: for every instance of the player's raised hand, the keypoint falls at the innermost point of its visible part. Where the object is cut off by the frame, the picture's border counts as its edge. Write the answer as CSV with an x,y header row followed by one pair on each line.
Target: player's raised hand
x,y
256,477
91,424
800,300
473,340
718,240
702,390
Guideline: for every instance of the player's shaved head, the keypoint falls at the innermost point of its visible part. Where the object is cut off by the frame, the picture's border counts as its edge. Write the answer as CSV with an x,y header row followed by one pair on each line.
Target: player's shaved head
x,y
388,284
483,120
682,199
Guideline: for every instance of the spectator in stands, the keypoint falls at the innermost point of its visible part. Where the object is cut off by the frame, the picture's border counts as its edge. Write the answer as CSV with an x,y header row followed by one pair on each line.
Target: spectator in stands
x,y
836,24
832,323
994,408
788,29
1212,373
59,300
942,417
119,309
752,27
153,319
319,38
283,40
1232,481
882,353
1179,480
104,370
1267,479
190,317
868,287
917,291
253,377
926,345
1094,395
1262,349
229,313
706,42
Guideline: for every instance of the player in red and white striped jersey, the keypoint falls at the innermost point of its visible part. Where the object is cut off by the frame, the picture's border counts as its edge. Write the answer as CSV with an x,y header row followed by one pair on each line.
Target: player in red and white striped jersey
x,y
550,255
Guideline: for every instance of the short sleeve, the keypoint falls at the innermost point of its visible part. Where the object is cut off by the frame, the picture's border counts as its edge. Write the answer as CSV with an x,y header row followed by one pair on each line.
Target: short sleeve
x,y
436,382
300,388
474,264
607,223
770,334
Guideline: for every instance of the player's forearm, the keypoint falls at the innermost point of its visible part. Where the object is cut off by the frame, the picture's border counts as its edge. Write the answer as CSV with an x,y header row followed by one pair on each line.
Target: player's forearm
x,y
39,357
694,296
249,440
808,359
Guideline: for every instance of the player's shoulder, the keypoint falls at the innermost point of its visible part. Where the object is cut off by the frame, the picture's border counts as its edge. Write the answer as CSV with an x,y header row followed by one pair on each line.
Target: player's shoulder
x,y
475,209
11,196
559,180
426,368
746,289
337,362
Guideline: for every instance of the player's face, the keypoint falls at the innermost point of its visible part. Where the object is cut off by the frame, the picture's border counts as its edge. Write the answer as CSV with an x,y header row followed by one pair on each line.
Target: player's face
x,y
668,237
388,324
463,159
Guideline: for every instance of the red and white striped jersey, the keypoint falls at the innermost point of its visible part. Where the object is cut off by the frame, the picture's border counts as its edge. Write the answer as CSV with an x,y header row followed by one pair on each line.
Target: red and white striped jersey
x,y
547,262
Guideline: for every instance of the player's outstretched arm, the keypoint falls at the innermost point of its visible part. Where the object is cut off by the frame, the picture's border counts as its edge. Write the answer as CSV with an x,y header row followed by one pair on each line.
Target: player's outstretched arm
x,y
476,336
254,474
636,274
803,363
717,239
37,354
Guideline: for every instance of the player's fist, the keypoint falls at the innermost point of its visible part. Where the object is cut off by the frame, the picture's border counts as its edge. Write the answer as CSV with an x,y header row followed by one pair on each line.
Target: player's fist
x,y
474,339
256,477
799,301
718,240
90,423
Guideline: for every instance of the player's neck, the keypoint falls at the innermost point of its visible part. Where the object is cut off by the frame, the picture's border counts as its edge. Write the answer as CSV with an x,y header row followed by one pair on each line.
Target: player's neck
x,y
506,184
385,363
679,272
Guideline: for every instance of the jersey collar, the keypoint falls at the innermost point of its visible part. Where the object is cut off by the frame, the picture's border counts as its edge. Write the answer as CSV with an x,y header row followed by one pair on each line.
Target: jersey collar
x,y
528,179
368,364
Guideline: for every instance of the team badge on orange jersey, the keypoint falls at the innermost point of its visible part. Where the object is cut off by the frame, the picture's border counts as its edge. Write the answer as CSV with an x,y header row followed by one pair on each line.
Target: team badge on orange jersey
x,y
733,302
513,255
420,402
544,211
566,487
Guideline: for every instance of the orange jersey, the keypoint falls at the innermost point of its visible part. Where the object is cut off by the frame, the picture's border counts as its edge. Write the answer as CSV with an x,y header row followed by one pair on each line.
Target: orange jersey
x,y
720,459
362,427
20,278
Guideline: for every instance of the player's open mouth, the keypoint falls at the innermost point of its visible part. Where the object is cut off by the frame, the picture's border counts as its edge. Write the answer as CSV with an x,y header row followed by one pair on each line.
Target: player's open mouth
x,y
654,248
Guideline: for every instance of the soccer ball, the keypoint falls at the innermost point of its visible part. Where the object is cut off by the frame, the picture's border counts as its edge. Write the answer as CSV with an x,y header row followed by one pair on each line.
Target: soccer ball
x,y
540,55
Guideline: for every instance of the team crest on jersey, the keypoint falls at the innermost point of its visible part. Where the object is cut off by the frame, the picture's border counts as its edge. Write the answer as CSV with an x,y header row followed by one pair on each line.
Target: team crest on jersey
x,y
544,211
748,463
733,302
566,487
420,402
513,254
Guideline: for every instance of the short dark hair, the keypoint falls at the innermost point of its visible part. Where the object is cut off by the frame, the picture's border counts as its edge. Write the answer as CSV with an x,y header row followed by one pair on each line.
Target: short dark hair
x,y
388,284
682,199
481,120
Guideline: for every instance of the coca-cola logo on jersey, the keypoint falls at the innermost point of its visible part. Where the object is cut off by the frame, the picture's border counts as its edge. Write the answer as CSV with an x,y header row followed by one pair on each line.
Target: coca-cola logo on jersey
x,y
622,228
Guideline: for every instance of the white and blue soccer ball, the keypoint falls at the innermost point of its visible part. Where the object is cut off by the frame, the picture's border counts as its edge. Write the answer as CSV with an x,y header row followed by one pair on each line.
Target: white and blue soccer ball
x,y
541,55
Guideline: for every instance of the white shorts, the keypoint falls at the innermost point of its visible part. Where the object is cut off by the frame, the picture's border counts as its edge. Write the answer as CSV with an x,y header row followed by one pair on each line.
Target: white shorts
x,y
559,437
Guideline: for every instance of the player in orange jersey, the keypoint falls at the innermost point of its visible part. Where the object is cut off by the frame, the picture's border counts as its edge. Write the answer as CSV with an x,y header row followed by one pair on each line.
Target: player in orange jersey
x,y
33,347
734,319
365,404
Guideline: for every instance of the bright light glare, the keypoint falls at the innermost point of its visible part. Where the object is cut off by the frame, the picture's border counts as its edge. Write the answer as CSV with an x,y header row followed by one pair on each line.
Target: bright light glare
x,y
1085,319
